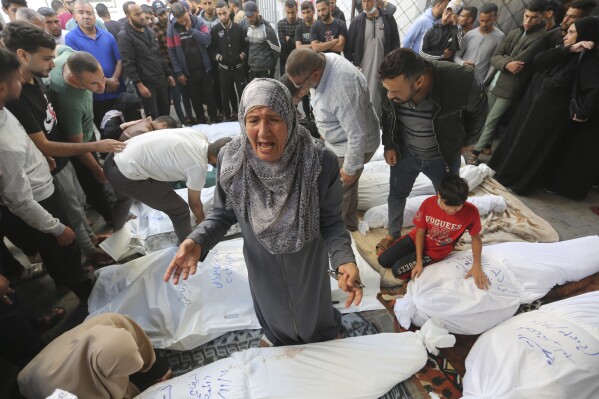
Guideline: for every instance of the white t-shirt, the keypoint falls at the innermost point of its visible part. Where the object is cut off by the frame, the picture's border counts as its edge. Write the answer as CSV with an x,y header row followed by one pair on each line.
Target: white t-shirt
x,y
166,155
60,39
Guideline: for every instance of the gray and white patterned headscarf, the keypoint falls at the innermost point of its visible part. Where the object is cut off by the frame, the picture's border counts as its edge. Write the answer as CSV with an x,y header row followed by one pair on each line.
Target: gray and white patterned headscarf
x,y
279,199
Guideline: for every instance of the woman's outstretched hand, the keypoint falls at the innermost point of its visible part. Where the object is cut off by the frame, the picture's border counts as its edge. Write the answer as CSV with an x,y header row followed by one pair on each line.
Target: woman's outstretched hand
x,y
185,262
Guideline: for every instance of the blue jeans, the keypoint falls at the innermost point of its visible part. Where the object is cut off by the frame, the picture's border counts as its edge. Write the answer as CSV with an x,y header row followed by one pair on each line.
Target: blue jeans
x,y
402,178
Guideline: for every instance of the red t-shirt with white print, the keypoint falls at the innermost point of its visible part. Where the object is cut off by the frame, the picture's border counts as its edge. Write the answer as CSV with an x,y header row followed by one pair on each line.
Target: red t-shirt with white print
x,y
444,230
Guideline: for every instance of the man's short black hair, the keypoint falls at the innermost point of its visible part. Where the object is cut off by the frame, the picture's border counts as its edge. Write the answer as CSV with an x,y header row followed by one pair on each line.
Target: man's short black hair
x,y
221,4
171,123
102,10
22,35
46,12
214,148
535,6
147,9
9,63
402,61
323,1
472,11
290,4
82,61
289,84
453,190
307,5
236,2
489,8
178,10
126,6
586,6
7,3
56,5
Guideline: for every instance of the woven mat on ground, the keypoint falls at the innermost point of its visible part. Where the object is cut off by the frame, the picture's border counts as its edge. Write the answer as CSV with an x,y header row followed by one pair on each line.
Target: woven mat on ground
x,y
516,223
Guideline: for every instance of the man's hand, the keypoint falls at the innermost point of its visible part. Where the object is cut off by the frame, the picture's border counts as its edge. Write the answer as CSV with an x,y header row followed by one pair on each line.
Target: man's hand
x,y
66,237
144,91
171,81
99,175
182,79
348,278
109,145
185,262
417,271
188,24
112,85
469,63
580,46
5,290
514,67
480,278
346,179
390,157
51,162
448,54
574,118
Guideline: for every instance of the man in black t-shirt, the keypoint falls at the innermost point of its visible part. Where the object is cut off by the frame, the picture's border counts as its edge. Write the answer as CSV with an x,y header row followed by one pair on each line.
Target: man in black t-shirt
x,y
35,50
327,34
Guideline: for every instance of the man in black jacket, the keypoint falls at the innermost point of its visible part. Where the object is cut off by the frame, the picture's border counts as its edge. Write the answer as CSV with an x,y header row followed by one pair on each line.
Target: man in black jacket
x,y
431,112
370,37
143,62
229,49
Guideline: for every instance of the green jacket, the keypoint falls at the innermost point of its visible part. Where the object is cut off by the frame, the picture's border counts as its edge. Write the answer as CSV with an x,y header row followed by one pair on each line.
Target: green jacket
x,y
511,86
459,111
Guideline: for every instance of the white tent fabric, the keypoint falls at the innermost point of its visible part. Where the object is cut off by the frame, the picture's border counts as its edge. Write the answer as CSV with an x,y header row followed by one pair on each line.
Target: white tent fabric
x,y
214,301
373,188
518,272
373,363
552,352
379,215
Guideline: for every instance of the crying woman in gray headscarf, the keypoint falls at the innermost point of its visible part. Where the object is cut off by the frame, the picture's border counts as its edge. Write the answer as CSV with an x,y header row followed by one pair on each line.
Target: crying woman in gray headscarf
x,y
284,190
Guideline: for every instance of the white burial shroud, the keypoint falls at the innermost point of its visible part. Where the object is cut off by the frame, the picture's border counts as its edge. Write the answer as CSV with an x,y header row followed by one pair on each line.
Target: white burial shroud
x,y
210,303
519,273
352,368
552,352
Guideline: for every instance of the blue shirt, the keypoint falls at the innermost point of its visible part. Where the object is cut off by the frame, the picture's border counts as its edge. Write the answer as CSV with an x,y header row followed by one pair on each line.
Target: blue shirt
x,y
413,38
104,48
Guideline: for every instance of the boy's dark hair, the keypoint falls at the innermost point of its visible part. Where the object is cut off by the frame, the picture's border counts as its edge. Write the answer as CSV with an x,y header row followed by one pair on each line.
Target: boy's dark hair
x,y
585,5
171,123
535,6
453,190
22,35
402,61
214,148
7,3
9,63
489,8
307,5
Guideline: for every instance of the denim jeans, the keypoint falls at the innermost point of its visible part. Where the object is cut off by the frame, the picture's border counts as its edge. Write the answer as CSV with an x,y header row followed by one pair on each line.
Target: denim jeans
x,y
402,178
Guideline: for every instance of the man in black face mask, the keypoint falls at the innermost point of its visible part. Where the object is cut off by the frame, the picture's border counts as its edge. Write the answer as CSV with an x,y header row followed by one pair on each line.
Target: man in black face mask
x,y
432,110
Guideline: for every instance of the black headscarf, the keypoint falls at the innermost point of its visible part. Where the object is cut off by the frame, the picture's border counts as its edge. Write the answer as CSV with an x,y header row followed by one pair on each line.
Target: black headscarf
x,y
587,29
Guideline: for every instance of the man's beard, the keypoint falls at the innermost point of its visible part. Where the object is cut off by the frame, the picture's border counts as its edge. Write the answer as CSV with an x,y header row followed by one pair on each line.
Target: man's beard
x,y
137,25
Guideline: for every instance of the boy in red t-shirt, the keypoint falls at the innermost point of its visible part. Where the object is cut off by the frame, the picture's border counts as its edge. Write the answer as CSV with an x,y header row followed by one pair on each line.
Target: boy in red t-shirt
x,y
440,222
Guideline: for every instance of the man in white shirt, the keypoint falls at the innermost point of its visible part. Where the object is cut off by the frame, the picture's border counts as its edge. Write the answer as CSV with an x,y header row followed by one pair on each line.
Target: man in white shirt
x,y
53,24
144,170
478,45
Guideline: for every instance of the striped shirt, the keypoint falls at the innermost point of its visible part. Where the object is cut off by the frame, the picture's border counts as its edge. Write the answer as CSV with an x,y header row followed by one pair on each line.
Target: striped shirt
x,y
416,127
344,114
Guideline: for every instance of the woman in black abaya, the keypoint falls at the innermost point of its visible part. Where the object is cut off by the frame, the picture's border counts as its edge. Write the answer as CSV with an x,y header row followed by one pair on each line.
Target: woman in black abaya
x,y
541,120
576,166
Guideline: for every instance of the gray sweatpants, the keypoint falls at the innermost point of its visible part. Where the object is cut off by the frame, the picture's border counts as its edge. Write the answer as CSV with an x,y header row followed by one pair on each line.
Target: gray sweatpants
x,y
156,194
72,199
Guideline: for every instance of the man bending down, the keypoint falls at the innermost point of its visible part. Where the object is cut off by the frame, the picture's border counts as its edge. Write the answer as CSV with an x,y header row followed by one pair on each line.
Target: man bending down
x,y
153,160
